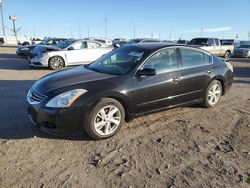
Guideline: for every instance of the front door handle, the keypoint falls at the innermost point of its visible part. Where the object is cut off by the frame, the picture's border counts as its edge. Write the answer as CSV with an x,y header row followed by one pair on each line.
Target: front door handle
x,y
176,80
209,71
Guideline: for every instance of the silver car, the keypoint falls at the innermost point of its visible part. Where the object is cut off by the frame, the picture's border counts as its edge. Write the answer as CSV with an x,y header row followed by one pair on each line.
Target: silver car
x,y
69,52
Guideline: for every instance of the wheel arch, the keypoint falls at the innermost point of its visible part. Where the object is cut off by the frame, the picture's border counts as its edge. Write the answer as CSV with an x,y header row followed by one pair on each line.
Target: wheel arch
x,y
122,99
221,80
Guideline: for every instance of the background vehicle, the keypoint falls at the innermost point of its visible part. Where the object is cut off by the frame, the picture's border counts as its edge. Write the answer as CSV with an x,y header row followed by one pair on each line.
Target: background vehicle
x,y
185,42
213,46
35,40
107,42
26,50
242,49
69,52
143,40
129,81
118,42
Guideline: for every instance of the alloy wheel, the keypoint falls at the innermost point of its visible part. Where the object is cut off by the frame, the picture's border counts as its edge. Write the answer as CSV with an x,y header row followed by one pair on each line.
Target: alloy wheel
x,y
56,63
107,120
214,94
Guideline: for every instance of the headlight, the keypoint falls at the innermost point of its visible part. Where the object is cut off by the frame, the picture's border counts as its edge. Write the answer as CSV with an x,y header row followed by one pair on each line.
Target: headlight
x,y
65,99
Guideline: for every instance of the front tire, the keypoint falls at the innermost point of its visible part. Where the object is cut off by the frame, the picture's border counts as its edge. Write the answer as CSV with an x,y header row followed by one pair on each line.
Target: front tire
x,y
56,63
213,94
105,119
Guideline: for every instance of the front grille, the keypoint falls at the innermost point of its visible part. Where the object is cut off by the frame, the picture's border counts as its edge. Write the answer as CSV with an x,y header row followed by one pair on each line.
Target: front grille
x,y
34,97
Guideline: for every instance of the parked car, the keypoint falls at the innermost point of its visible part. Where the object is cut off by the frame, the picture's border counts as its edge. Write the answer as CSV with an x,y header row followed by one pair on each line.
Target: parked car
x,y
127,82
184,42
118,42
143,40
107,42
242,49
26,50
69,52
214,46
35,40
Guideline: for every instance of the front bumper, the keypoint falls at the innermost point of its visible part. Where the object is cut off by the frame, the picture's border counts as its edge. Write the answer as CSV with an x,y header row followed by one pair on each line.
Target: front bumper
x,y
39,61
67,121
23,52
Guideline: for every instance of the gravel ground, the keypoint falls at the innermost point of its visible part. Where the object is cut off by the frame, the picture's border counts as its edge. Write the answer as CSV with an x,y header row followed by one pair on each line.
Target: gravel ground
x,y
183,147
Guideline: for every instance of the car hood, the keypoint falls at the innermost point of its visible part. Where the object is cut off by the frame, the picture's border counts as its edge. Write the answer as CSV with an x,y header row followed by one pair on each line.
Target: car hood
x,y
69,77
44,48
27,46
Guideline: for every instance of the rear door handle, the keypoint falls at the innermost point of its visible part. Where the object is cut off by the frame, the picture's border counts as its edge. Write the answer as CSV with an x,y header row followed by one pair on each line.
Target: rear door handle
x,y
209,71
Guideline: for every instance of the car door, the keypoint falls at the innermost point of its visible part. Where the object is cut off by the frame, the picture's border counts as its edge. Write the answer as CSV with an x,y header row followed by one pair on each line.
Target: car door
x,y
194,75
75,52
94,51
158,91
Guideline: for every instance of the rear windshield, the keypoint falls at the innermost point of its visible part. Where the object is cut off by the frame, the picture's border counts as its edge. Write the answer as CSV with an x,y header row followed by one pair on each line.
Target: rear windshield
x,y
198,41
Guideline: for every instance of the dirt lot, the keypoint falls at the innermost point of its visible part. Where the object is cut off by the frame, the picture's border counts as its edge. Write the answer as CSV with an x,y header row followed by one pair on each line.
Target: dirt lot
x,y
183,147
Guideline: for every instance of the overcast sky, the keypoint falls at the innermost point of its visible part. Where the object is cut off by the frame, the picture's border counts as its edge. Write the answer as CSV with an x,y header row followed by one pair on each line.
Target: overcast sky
x,y
160,18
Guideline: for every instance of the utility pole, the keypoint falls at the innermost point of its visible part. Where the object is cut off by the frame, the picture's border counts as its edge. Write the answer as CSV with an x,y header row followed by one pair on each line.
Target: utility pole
x,y
1,9
50,31
134,30
106,26
34,32
88,31
79,30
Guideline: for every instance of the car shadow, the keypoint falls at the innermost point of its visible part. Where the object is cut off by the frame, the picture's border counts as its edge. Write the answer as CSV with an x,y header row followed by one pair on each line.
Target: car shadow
x,y
13,113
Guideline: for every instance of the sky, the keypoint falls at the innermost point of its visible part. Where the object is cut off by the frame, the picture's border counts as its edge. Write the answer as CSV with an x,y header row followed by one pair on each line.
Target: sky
x,y
162,19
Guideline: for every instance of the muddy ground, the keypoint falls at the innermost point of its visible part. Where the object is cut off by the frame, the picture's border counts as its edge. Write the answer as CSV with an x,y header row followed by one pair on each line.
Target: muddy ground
x,y
183,147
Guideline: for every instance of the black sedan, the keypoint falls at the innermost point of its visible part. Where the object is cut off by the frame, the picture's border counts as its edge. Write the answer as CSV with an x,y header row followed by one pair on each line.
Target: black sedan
x,y
127,82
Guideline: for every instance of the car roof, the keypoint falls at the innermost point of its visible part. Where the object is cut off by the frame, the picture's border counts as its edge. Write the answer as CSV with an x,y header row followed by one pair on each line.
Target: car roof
x,y
154,46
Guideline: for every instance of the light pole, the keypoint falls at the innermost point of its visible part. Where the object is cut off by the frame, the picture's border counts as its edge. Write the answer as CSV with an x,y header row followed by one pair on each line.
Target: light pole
x,y
134,30
106,26
13,18
1,8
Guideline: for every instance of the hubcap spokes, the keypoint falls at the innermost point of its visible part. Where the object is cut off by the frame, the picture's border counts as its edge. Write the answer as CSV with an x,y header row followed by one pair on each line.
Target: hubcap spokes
x,y
214,94
56,63
107,120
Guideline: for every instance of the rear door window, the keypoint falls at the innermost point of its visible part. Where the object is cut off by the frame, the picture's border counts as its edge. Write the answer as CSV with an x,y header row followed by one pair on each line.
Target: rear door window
x,y
191,58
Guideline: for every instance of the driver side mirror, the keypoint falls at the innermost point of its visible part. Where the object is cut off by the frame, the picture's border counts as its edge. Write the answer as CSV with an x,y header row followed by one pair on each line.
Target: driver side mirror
x,y
70,48
146,72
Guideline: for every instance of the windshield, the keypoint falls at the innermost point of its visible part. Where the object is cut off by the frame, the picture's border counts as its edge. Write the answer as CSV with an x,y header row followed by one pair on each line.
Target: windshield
x,y
44,42
120,61
198,41
64,44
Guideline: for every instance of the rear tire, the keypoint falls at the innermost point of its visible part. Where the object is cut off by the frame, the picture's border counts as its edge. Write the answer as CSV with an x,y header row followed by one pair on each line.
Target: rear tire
x,y
105,119
227,55
213,94
56,63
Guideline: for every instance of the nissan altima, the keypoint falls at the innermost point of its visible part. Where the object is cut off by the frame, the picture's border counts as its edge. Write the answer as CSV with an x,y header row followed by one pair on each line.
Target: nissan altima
x,y
127,82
